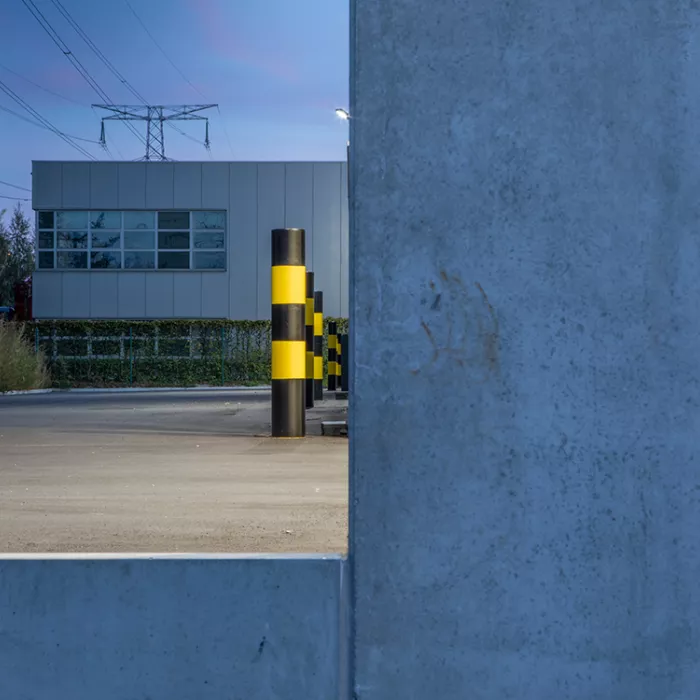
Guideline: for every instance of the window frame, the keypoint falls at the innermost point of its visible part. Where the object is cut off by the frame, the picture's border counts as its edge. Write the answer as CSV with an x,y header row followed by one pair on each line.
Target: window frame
x,y
120,251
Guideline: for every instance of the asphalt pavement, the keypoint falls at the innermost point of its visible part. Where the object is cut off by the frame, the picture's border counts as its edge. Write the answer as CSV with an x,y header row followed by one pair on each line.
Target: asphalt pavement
x,y
182,471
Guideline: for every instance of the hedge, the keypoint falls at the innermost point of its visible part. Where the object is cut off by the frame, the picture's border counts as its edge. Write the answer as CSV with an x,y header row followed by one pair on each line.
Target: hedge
x,y
156,353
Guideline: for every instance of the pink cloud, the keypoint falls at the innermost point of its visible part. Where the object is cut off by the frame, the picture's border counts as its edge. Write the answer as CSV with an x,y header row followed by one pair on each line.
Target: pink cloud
x,y
222,36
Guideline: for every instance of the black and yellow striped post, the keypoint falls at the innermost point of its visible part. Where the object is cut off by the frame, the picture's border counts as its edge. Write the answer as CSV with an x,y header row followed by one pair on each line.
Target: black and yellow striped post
x,y
332,354
318,346
288,333
309,340
338,361
345,384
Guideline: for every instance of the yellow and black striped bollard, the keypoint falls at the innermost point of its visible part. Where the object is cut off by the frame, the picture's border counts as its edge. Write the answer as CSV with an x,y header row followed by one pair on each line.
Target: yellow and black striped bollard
x,y
318,346
332,354
288,333
338,361
309,340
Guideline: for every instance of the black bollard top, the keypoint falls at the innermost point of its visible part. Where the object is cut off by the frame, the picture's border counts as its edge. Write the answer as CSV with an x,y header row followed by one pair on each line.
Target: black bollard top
x,y
288,246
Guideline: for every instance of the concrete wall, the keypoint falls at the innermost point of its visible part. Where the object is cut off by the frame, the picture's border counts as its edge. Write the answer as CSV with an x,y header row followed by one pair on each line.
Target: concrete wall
x,y
170,628
524,425
257,196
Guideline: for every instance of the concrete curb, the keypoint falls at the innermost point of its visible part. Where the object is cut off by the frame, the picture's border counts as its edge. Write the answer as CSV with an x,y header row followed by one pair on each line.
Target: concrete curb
x,y
191,556
133,390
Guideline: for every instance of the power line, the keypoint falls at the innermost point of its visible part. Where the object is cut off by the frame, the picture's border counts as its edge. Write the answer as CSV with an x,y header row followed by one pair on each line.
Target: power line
x,y
177,69
109,65
42,120
223,126
155,116
104,144
162,50
9,184
65,50
41,126
41,87
16,199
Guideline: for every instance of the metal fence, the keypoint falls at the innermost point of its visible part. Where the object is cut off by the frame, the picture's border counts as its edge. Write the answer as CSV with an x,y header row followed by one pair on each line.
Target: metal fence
x,y
156,355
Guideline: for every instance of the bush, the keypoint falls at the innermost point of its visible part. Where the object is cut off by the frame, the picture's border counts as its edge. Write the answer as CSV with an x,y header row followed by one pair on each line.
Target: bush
x,y
20,366
157,353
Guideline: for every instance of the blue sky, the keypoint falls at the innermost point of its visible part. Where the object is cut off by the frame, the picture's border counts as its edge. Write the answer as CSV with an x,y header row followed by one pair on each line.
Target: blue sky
x,y
277,68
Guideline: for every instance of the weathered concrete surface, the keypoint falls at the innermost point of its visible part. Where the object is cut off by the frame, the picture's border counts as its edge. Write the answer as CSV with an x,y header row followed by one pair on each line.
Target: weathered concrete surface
x,y
166,472
240,629
524,410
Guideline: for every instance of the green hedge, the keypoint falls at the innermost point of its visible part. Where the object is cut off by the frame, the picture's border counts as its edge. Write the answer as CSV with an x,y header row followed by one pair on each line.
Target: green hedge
x,y
156,353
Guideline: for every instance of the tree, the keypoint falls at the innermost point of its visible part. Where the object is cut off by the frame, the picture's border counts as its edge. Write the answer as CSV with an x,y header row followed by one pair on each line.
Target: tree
x,y
16,253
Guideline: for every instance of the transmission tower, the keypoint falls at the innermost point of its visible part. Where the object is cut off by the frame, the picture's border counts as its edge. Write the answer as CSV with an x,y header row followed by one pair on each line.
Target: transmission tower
x,y
155,116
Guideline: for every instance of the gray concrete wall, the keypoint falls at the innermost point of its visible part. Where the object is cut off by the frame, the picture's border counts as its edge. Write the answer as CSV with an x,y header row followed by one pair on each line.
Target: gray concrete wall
x,y
524,418
170,628
257,196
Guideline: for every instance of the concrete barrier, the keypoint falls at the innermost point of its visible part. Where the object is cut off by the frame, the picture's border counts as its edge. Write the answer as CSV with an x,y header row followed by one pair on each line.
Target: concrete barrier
x,y
170,628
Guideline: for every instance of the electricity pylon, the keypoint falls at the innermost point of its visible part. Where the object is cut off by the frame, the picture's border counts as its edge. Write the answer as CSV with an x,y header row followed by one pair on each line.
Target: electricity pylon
x,y
154,116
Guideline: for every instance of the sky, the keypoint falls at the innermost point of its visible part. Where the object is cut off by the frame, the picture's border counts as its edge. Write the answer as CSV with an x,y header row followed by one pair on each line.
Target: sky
x,y
276,68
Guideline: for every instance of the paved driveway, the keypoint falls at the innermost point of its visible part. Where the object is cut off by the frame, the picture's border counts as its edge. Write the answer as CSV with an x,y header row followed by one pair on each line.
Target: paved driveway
x,y
166,472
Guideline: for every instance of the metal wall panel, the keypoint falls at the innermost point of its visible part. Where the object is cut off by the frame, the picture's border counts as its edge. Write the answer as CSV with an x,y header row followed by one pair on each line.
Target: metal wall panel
x,y
104,294
132,294
326,258
188,185
47,295
159,295
215,185
76,294
258,197
104,186
270,216
160,186
132,185
76,186
242,243
344,244
47,185
187,294
299,199
215,295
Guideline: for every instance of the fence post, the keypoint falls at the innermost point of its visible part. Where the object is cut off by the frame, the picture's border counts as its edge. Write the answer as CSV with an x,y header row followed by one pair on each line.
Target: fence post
x,y
288,336
131,356
223,357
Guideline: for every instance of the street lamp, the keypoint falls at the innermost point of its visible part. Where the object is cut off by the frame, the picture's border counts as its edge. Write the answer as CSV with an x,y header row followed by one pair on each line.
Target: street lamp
x,y
342,114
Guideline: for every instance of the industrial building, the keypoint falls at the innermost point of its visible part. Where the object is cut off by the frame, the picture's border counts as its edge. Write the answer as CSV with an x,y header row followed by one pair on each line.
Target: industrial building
x,y
159,240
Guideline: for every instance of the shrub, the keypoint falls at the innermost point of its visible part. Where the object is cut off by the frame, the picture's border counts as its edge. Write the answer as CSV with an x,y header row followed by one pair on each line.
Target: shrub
x,y
181,352
20,366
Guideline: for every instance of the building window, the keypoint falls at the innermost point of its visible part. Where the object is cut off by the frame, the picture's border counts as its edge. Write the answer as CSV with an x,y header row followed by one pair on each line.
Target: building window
x,y
131,240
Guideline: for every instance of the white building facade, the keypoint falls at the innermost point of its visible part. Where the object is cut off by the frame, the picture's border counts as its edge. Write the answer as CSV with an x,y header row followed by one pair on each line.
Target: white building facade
x,y
188,240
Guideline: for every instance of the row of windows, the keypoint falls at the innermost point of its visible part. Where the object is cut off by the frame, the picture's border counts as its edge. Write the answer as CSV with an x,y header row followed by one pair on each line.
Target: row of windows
x,y
132,240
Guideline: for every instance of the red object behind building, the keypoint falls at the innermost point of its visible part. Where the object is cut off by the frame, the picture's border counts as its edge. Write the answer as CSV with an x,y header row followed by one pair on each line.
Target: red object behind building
x,y
23,300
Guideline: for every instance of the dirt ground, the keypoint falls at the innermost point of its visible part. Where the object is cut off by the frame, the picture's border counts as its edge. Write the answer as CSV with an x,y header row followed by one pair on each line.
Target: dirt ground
x,y
167,472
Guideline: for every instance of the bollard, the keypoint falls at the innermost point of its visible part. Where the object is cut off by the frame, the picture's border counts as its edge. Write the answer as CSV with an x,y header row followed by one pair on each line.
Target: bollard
x,y
288,333
332,354
338,361
309,340
346,357
318,346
